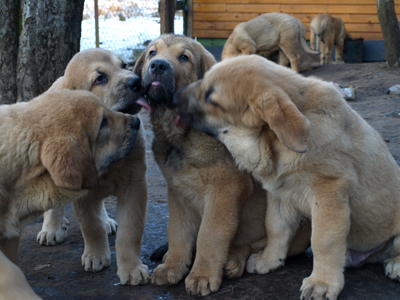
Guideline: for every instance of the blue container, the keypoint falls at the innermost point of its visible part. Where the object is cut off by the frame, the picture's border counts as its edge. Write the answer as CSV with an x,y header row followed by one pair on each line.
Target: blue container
x,y
353,50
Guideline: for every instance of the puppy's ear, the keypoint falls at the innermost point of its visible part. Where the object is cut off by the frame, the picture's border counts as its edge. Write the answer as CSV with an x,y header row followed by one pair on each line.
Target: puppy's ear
x,y
70,162
138,67
207,60
284,118
60,83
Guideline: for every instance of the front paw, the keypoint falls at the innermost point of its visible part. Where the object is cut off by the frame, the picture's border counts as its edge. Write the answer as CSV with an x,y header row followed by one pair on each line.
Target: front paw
x,y
94,262
234,268
51,235
257,264
392,268
315,289
134,275
163,274
202,285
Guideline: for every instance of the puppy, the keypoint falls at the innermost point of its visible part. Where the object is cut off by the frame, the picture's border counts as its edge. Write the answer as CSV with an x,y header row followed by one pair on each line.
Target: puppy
x,y
106,75
53,150
268,33
331,32
314,155
214,208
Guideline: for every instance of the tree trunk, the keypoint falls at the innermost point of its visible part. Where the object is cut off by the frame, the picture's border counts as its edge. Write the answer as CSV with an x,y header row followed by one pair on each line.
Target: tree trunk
x,y
8,50
50,36
390,30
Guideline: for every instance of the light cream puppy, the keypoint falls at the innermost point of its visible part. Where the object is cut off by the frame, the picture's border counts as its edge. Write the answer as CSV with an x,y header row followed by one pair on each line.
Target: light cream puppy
x,y
314,155
328,32
269,33
53,151
106,75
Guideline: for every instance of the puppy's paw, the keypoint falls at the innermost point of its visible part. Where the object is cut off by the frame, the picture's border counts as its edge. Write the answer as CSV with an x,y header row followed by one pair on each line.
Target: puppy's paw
x,y
392,268
163,275
52,234
111,226
200,285
315,289
92,262
234,268
257,264
134,275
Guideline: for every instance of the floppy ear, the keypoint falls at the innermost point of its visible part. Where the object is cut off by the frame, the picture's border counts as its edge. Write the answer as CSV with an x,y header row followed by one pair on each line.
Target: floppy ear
x,y
60,83
207,60
70,163
284,118
138,67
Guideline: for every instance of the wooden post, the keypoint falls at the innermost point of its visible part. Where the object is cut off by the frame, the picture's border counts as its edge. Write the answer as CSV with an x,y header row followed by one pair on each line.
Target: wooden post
x,y
167,16
96,22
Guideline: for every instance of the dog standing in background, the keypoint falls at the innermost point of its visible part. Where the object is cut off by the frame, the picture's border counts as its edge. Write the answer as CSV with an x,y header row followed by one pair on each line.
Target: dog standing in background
x,y
327,32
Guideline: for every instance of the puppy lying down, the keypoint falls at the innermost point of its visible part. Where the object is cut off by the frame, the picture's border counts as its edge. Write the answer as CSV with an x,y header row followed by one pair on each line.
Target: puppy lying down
x,y
314,155
52,151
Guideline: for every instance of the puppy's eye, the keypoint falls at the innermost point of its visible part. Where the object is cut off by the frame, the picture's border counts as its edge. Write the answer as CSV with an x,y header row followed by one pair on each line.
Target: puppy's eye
x,y
152,53
184,57
101,79
103,123
125,66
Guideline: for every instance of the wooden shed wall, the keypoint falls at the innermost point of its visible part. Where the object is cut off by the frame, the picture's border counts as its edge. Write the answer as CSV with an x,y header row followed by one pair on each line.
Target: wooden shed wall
x,y
217,18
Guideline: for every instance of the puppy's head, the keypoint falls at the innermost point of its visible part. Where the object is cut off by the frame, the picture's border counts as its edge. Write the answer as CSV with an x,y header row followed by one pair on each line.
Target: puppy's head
x,y
105,74
246,92
80,138
169,63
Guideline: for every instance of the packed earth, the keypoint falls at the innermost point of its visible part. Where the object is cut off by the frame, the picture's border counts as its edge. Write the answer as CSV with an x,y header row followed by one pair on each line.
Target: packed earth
x,y
55,272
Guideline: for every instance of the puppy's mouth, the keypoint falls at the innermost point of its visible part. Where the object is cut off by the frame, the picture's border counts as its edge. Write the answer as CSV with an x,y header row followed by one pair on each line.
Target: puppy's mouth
x,y
179,123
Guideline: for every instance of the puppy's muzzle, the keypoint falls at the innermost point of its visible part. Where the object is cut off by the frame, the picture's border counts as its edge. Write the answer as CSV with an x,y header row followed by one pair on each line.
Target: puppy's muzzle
x,y
134,85
159,67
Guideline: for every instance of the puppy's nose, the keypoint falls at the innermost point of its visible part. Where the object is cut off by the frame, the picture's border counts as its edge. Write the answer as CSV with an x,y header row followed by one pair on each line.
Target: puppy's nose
x,y
158,66
135,123
134,84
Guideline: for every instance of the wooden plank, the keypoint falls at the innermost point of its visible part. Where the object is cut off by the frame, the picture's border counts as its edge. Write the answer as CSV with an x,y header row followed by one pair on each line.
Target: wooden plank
x,y
211,33
352,9
243,17
190,18
247,1
374,36
286,8
372,2
199,7
215,25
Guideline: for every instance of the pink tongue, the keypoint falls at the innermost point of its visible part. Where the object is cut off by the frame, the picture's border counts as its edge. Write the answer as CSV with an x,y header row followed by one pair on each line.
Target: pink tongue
x,y
179,123
143,102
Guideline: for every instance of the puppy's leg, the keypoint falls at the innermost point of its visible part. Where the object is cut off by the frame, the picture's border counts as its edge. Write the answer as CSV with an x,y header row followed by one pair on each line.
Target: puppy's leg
x,y
330,227
13,284
323,53
329,41
111,225
89,213
290,50
281,226
131,215
181,231
217,229
339,53
312,39
55,227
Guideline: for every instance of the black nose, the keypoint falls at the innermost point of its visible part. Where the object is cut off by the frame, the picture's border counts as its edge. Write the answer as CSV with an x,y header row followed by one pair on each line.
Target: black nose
x,y
158,66
134,84
135,124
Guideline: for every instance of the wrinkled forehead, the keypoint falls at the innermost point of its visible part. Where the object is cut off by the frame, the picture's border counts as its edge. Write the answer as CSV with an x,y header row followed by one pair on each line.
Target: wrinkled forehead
x,y
165,49
95,60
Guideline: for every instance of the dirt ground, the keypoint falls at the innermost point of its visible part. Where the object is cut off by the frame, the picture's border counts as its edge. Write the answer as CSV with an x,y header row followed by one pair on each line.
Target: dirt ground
x,y
55,272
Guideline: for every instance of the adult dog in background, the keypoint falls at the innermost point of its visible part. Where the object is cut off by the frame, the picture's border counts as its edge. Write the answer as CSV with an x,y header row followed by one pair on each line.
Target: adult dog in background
x,y
268,33
315,156
327,32
215,210
53,150
105,74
